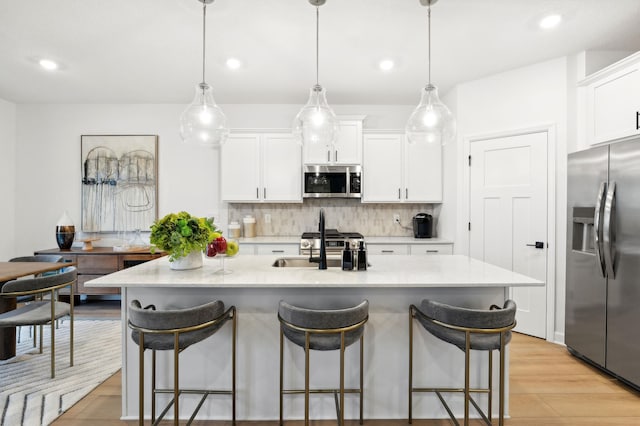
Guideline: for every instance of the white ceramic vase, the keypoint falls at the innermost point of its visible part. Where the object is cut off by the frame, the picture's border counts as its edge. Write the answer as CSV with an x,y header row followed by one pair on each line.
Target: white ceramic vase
x,y
191,261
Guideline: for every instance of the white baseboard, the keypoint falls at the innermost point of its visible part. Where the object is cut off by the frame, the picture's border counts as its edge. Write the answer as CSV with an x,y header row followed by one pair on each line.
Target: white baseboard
x,y
558,338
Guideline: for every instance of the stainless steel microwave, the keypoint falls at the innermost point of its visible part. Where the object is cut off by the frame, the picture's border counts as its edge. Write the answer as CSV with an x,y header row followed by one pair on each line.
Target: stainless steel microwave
x,y
332,181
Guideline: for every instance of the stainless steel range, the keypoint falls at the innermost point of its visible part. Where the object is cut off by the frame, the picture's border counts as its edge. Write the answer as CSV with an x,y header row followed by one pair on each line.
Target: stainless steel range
x,y
335,242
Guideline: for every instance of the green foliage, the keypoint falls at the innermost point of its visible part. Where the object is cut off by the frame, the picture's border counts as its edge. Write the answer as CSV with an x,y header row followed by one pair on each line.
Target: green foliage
x,y
180,233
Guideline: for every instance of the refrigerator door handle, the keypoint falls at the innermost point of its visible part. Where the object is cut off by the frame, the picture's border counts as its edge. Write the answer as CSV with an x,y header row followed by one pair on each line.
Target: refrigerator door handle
x,y
609,230
597,231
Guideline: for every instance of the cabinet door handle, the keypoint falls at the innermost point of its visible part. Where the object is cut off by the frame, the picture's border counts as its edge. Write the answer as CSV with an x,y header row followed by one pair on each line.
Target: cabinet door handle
x,y
328,156
264,191
406,193
277,251
387,251
398,193
432,251
257,193
336,155
637,120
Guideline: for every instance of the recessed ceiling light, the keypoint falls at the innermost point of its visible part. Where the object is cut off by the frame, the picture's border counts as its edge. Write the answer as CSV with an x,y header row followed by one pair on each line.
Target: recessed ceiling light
x,y
48,64
550,21
386,65
233,63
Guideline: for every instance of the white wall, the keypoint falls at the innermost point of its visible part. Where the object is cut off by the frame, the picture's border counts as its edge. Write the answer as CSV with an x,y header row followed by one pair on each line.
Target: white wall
x,y
48,156
7,178
518,99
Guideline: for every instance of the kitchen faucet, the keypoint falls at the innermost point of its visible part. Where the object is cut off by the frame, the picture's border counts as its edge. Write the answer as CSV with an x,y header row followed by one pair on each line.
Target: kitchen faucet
x,y
322,260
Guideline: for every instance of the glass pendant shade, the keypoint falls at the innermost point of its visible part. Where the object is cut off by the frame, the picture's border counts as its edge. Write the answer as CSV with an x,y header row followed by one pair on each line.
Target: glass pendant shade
x,y
316,123
431,121
203,122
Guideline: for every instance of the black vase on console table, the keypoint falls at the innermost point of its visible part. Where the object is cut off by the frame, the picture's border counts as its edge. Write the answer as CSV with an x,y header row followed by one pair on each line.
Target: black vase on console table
x,y
65,232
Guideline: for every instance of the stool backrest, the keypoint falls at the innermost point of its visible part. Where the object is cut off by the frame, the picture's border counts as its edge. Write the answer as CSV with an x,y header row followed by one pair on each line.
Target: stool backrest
x,y
174,318
472,318
40,283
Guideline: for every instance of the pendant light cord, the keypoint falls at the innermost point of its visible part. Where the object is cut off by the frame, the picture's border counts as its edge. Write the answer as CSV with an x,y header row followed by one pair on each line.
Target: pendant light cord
x,y
429,37
204,39
317,44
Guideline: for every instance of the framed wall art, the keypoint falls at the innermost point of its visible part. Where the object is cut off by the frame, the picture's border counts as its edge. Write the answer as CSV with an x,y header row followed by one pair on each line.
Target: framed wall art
x,y
119,182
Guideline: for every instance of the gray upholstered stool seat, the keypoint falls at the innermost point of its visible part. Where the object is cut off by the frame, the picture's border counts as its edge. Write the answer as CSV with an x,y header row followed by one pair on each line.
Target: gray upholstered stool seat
x,y
467,329
161,329
53,258
41,311
323,330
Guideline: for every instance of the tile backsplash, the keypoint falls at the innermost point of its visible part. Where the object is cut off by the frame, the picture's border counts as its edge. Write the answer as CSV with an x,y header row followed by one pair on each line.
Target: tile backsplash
x,y
343,214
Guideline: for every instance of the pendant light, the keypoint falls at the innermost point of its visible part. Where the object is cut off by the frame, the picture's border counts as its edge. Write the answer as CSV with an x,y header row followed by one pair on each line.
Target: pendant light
x,y
203,122
431,121
316,123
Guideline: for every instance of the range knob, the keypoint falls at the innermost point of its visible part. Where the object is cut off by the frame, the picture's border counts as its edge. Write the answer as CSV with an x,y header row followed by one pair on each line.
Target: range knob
x,y
305,244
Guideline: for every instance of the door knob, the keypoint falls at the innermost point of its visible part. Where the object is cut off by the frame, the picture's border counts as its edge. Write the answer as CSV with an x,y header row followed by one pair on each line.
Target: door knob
x,y
538,245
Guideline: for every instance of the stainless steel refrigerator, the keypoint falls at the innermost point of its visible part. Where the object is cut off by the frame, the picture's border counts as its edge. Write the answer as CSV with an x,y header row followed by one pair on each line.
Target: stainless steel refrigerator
x,y
603,258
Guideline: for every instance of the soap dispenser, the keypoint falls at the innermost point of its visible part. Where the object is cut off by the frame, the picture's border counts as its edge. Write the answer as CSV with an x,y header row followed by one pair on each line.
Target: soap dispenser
x,y
362,258
347,257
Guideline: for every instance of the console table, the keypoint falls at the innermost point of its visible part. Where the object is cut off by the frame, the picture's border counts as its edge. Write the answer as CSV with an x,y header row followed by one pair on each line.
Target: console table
x,y
98,262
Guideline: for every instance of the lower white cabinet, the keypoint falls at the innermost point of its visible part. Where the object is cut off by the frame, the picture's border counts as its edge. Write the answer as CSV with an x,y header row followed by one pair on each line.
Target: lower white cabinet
x,y
375,249
270,249
261,167
412,249
426,249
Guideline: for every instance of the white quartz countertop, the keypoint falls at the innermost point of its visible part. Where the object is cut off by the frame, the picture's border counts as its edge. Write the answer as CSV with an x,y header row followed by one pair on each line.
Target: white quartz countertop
x,y
255,271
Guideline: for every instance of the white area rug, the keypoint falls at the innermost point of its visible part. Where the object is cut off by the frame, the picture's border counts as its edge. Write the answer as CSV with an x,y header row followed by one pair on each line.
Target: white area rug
x,y
28,395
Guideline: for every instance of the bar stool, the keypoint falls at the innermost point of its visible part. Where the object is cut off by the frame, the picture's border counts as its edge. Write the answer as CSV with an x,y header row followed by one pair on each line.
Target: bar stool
x,y
484,330
177,330
322,330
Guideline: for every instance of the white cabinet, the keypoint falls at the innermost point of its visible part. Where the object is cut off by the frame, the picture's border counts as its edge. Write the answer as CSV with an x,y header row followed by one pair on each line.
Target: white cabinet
x,y
278,249
413,249
385,249
270,249
396,171
429,249
347,149
261,167
613,101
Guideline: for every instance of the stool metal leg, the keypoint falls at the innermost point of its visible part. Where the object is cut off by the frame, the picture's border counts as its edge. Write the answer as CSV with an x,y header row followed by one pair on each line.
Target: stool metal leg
x,y
467,353
361,378
502,359
141,379
341,418
153,386
176,354
306,378
490,383
410,364
233,368
281,371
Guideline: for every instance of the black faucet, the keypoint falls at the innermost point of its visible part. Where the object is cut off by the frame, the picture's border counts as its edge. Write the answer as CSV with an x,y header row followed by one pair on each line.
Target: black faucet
x,y
322,260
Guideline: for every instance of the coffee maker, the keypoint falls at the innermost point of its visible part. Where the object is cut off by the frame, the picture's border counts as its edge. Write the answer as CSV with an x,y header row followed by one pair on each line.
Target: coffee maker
x,y
422,225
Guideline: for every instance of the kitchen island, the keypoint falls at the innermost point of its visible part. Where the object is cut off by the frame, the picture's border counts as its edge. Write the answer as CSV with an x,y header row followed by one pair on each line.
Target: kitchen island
x,y
255,287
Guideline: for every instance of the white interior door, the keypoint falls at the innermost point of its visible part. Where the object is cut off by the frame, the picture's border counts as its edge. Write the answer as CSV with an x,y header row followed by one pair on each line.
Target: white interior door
x,y
508,215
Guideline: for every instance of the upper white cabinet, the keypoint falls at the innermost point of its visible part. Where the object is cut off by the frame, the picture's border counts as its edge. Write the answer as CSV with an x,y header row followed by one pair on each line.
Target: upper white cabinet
x,y
348,146
613,101
395,171
261,167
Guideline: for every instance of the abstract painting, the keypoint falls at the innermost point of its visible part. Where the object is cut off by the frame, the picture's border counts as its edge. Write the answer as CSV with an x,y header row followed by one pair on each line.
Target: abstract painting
x,y
119,182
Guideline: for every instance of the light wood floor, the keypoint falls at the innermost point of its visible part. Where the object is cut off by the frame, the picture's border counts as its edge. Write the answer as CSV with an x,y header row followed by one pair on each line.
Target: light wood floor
x,y
548,387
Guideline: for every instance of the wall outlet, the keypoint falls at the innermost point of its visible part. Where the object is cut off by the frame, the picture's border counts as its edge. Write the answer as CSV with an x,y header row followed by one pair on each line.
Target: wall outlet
x,y
267,218
396,218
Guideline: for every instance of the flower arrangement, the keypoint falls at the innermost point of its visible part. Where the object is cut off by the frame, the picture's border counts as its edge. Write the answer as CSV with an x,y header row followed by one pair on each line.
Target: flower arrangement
x,y
180,233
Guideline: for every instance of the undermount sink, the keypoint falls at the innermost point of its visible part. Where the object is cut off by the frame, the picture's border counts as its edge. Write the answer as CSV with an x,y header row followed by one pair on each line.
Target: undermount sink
x,y
303,262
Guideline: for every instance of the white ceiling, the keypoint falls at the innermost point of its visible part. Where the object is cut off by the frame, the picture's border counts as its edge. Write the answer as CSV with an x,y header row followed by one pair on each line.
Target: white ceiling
x,y
149,51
